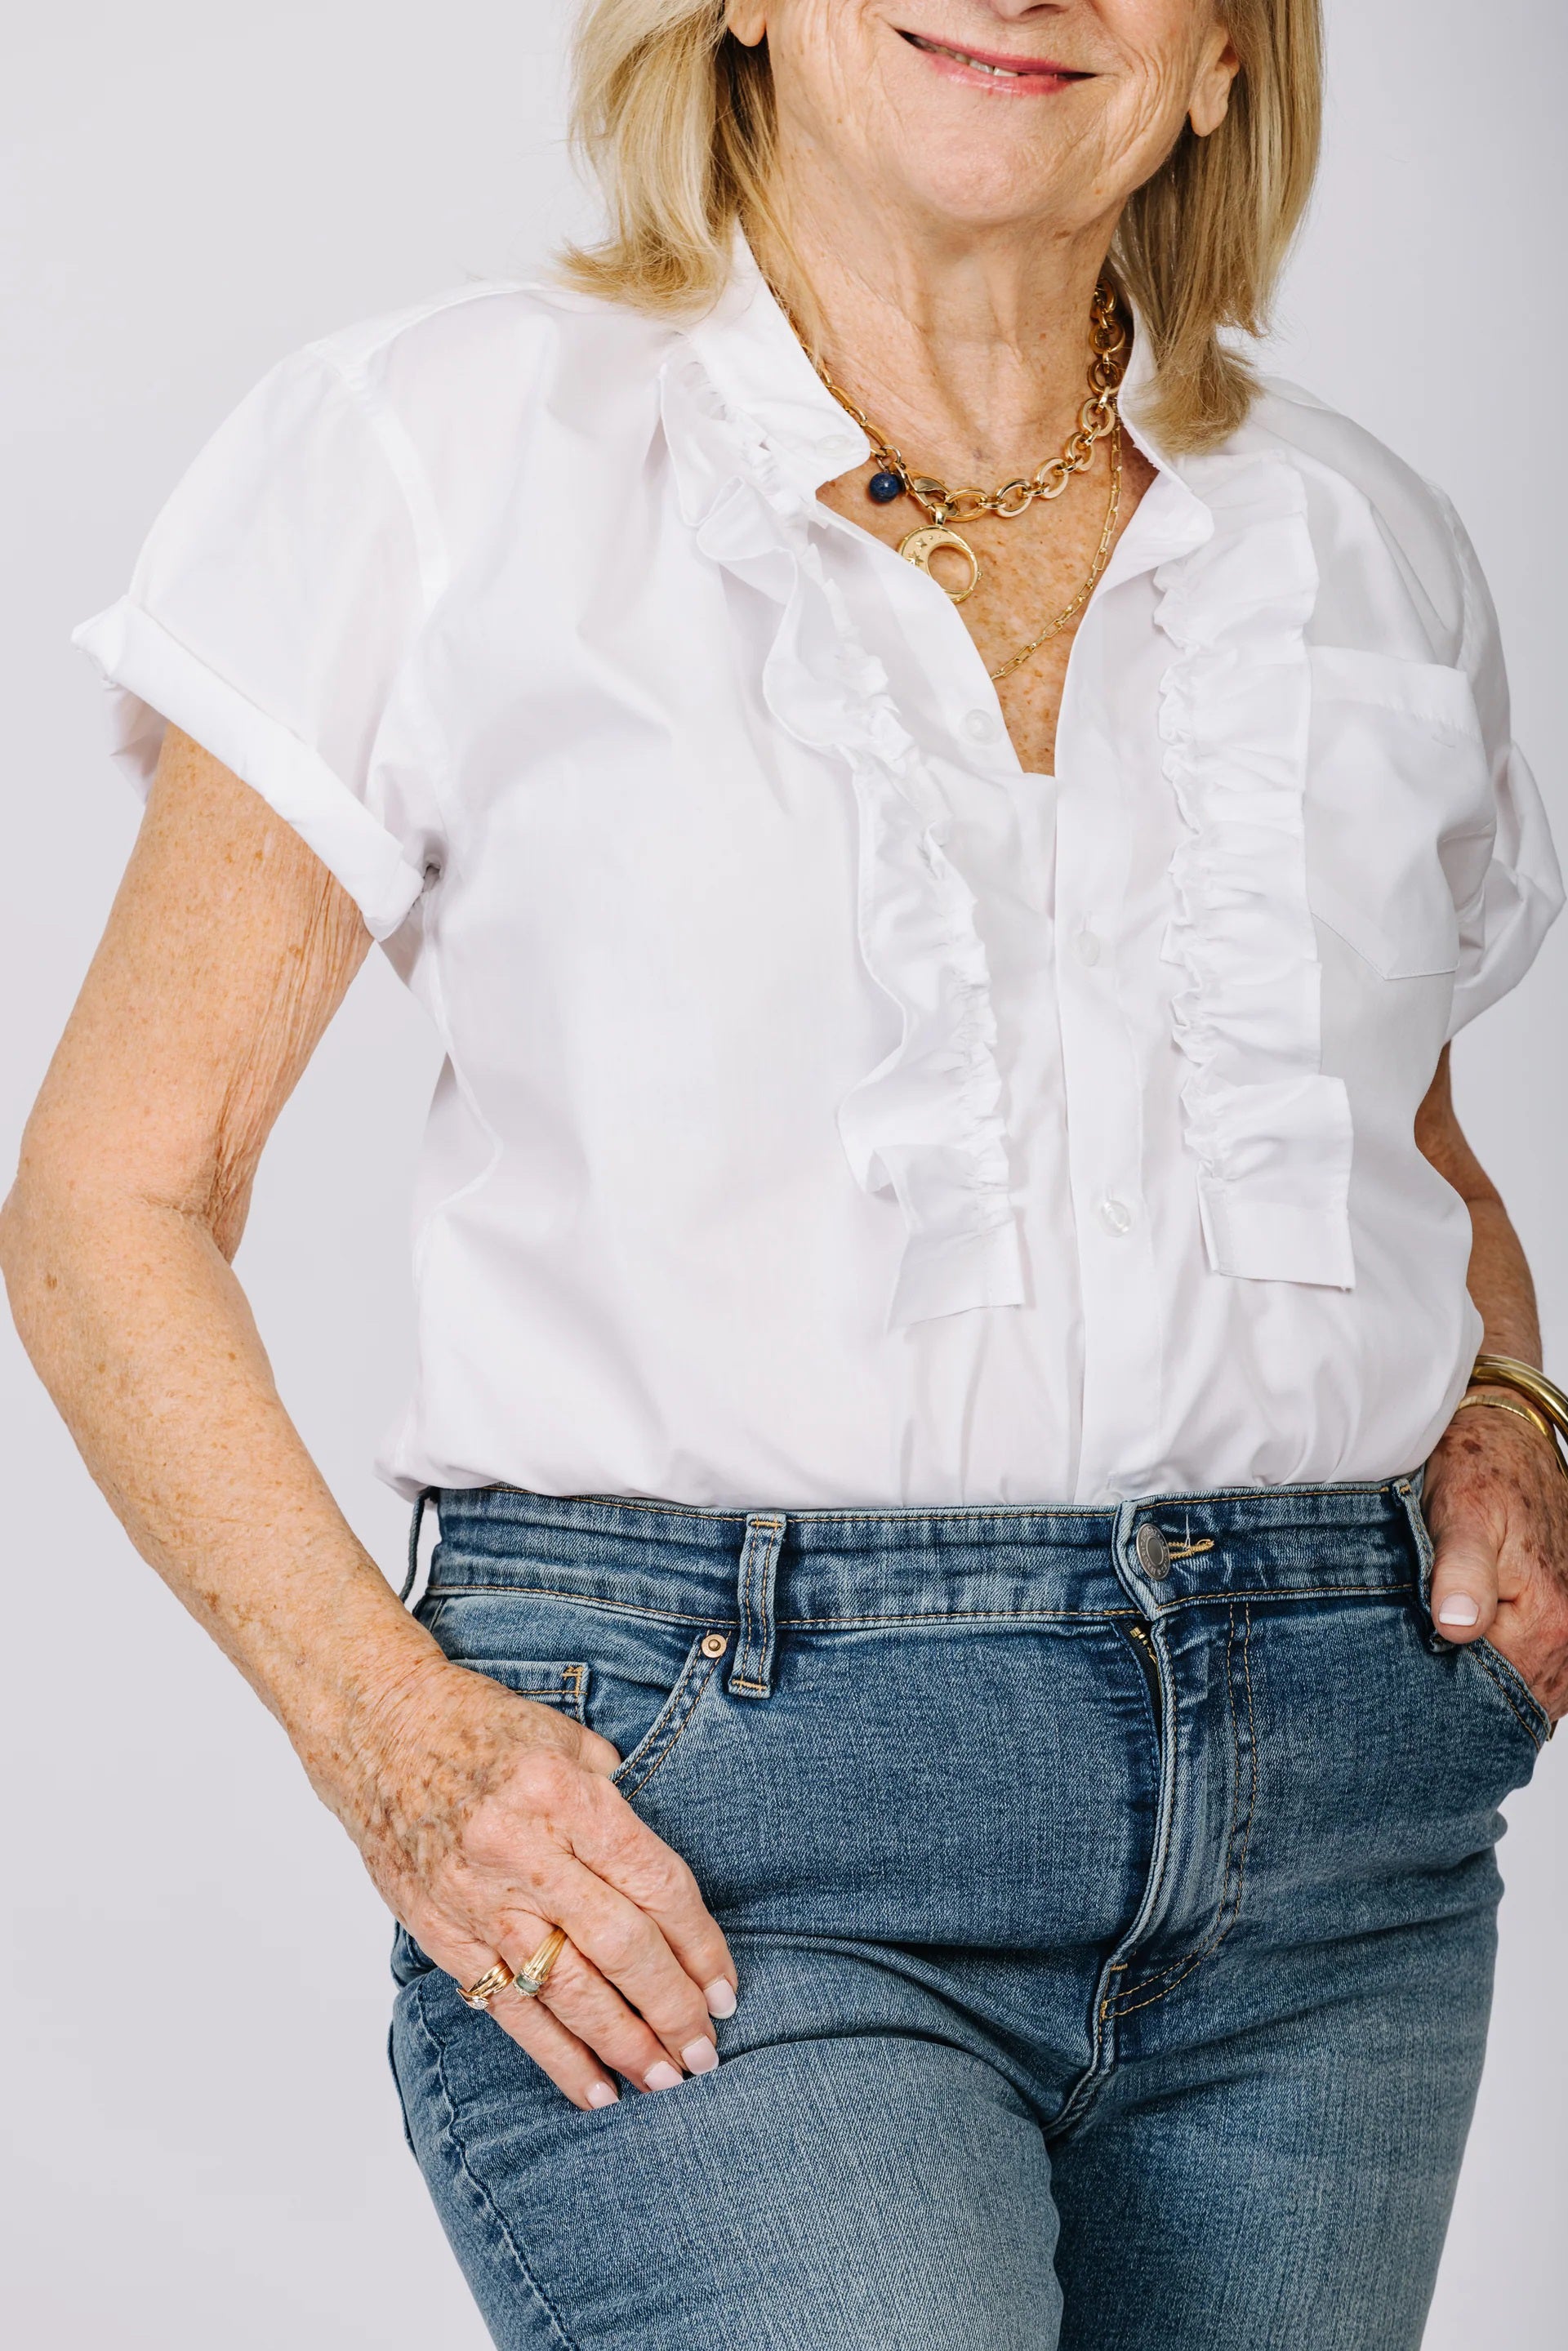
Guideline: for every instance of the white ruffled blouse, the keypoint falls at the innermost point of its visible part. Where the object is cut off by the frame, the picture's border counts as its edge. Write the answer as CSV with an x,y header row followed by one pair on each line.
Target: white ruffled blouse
x,y
834,1113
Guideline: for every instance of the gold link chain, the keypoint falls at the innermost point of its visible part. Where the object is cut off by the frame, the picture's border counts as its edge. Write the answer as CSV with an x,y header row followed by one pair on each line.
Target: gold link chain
x,y
1096,419
1099,419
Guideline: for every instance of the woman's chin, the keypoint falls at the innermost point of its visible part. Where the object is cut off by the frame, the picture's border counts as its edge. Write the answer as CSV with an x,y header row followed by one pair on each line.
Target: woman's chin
x,y
1007,184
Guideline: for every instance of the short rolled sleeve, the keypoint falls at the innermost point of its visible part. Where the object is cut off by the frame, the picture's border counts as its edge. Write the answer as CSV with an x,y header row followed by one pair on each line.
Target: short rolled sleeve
x,y
1522,896
269,616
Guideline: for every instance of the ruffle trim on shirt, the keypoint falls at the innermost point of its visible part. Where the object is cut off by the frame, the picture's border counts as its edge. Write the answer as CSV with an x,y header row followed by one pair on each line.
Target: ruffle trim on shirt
x,y
926,1124
1271,1133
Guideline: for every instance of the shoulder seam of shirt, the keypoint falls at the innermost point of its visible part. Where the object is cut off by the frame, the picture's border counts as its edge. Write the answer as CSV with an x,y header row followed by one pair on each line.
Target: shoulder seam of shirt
x,y
403,462
1466,563
1398,468
354,374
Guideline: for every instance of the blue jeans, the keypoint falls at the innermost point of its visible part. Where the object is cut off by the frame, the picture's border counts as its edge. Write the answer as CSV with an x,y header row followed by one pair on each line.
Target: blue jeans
x,y
1113,1898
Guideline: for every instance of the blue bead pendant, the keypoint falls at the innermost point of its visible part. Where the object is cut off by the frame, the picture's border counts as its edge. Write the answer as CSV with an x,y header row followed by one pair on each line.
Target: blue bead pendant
x,y
884,487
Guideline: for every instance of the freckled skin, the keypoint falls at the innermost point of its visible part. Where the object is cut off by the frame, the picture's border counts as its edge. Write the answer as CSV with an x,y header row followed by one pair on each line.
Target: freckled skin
x,y
1495,1500
482,1817
1033,567
947,244
970,351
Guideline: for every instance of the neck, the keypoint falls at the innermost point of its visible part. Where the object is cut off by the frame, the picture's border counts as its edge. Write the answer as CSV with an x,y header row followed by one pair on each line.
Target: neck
x,y
969,348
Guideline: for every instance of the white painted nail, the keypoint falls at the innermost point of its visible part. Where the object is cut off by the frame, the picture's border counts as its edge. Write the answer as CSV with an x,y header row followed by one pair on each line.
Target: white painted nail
x,y
701,2057
602,2095
720,1997
664,2076
1459,1609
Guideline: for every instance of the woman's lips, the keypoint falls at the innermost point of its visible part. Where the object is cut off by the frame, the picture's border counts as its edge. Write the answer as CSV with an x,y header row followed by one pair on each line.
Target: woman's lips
x,y
994,69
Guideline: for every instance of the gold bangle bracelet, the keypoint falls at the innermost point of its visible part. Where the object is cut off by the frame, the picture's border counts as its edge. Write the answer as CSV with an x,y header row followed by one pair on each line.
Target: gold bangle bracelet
x,y
1515,1407
1509,1372
1541,1399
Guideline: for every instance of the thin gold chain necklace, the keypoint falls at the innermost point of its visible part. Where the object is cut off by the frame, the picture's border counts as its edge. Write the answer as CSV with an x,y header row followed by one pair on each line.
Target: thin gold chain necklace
x,y
1071,612
1097,419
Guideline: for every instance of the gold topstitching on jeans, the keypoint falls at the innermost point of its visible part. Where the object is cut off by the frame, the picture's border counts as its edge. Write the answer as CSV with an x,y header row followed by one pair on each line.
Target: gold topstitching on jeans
x,y
1124,2003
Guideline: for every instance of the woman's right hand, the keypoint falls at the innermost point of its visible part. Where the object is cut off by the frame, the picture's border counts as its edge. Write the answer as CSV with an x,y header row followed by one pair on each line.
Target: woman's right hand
x,y
485,1820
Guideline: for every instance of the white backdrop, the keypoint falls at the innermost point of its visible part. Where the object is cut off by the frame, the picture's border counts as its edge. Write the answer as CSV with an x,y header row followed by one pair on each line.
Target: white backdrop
x,y
202,2145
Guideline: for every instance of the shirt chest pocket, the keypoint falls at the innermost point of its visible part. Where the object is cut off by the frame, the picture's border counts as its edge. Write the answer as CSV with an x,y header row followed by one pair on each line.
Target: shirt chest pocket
x,y
1399,814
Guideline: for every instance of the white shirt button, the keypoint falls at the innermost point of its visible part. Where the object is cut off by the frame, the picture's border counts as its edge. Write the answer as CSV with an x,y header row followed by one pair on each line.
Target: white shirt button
x,y
1088,947
1117,1217
981,726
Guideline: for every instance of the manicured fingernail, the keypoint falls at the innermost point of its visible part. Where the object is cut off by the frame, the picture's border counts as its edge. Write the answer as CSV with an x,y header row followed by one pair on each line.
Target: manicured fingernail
x,y
720,1997
1459,1609
602,2095
664,2076
701,2057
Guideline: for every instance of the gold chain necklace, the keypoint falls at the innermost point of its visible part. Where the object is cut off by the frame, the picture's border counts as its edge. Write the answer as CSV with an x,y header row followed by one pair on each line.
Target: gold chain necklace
x,y
1071,612
1097,419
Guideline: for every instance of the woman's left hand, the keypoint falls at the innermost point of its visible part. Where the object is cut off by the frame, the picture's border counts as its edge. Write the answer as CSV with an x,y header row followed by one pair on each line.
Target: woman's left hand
x,y
1496,1505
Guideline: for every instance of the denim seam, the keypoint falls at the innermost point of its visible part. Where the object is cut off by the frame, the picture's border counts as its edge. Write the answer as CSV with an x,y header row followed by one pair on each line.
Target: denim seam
x,y
913,1512
481,2194
1265,1592
1125,2004
920,1617
966,1616
668,1725
567,1698
589,1599
1508,1698
1084,2094
940,1616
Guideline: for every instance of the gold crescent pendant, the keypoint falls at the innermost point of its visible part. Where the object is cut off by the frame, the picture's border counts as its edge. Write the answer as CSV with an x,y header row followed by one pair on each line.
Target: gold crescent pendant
x,y
921,544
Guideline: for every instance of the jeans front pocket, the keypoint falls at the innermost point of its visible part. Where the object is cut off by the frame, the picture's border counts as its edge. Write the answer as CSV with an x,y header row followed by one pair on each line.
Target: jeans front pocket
x,y
637,1679
491,1635
1476,1670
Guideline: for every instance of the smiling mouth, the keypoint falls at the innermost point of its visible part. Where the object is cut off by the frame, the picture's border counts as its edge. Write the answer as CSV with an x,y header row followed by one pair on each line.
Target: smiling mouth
x,y
1002,68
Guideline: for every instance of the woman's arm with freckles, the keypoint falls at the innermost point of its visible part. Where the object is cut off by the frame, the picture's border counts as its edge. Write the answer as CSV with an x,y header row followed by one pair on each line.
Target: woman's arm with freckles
x,y
480,1815
1496,1500
1499,1279
228,949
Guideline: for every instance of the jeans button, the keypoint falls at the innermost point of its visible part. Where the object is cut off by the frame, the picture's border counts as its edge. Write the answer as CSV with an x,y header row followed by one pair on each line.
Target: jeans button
x,y
1154,1552
715,1645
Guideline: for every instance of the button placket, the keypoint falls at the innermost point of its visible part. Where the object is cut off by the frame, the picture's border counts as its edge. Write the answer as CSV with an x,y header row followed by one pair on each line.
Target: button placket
x,y
1123,1336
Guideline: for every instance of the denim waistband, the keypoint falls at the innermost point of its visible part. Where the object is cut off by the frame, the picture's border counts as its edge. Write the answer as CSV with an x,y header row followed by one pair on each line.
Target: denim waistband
x,y
826,1566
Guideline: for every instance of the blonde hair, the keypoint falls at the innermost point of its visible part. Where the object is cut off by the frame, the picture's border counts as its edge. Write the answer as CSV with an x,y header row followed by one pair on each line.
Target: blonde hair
x,y
676,119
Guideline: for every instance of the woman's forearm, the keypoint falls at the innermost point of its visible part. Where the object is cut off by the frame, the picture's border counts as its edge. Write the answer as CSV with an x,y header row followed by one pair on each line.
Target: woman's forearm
x,y
1499,1280
143,1336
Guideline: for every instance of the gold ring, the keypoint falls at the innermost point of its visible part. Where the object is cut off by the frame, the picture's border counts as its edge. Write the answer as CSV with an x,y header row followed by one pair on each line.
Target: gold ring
x,y
529,1981
494,1980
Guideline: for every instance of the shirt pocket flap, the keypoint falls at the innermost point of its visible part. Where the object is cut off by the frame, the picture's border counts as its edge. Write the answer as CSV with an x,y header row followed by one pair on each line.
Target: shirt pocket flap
x,y
1400,814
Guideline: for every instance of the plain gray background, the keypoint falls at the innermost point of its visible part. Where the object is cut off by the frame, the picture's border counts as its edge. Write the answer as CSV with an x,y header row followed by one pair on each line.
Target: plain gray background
x,y
204,2148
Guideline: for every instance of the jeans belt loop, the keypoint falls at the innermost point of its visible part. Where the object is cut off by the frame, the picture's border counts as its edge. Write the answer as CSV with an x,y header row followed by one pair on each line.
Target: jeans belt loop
x,y
425,1494
751,1675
